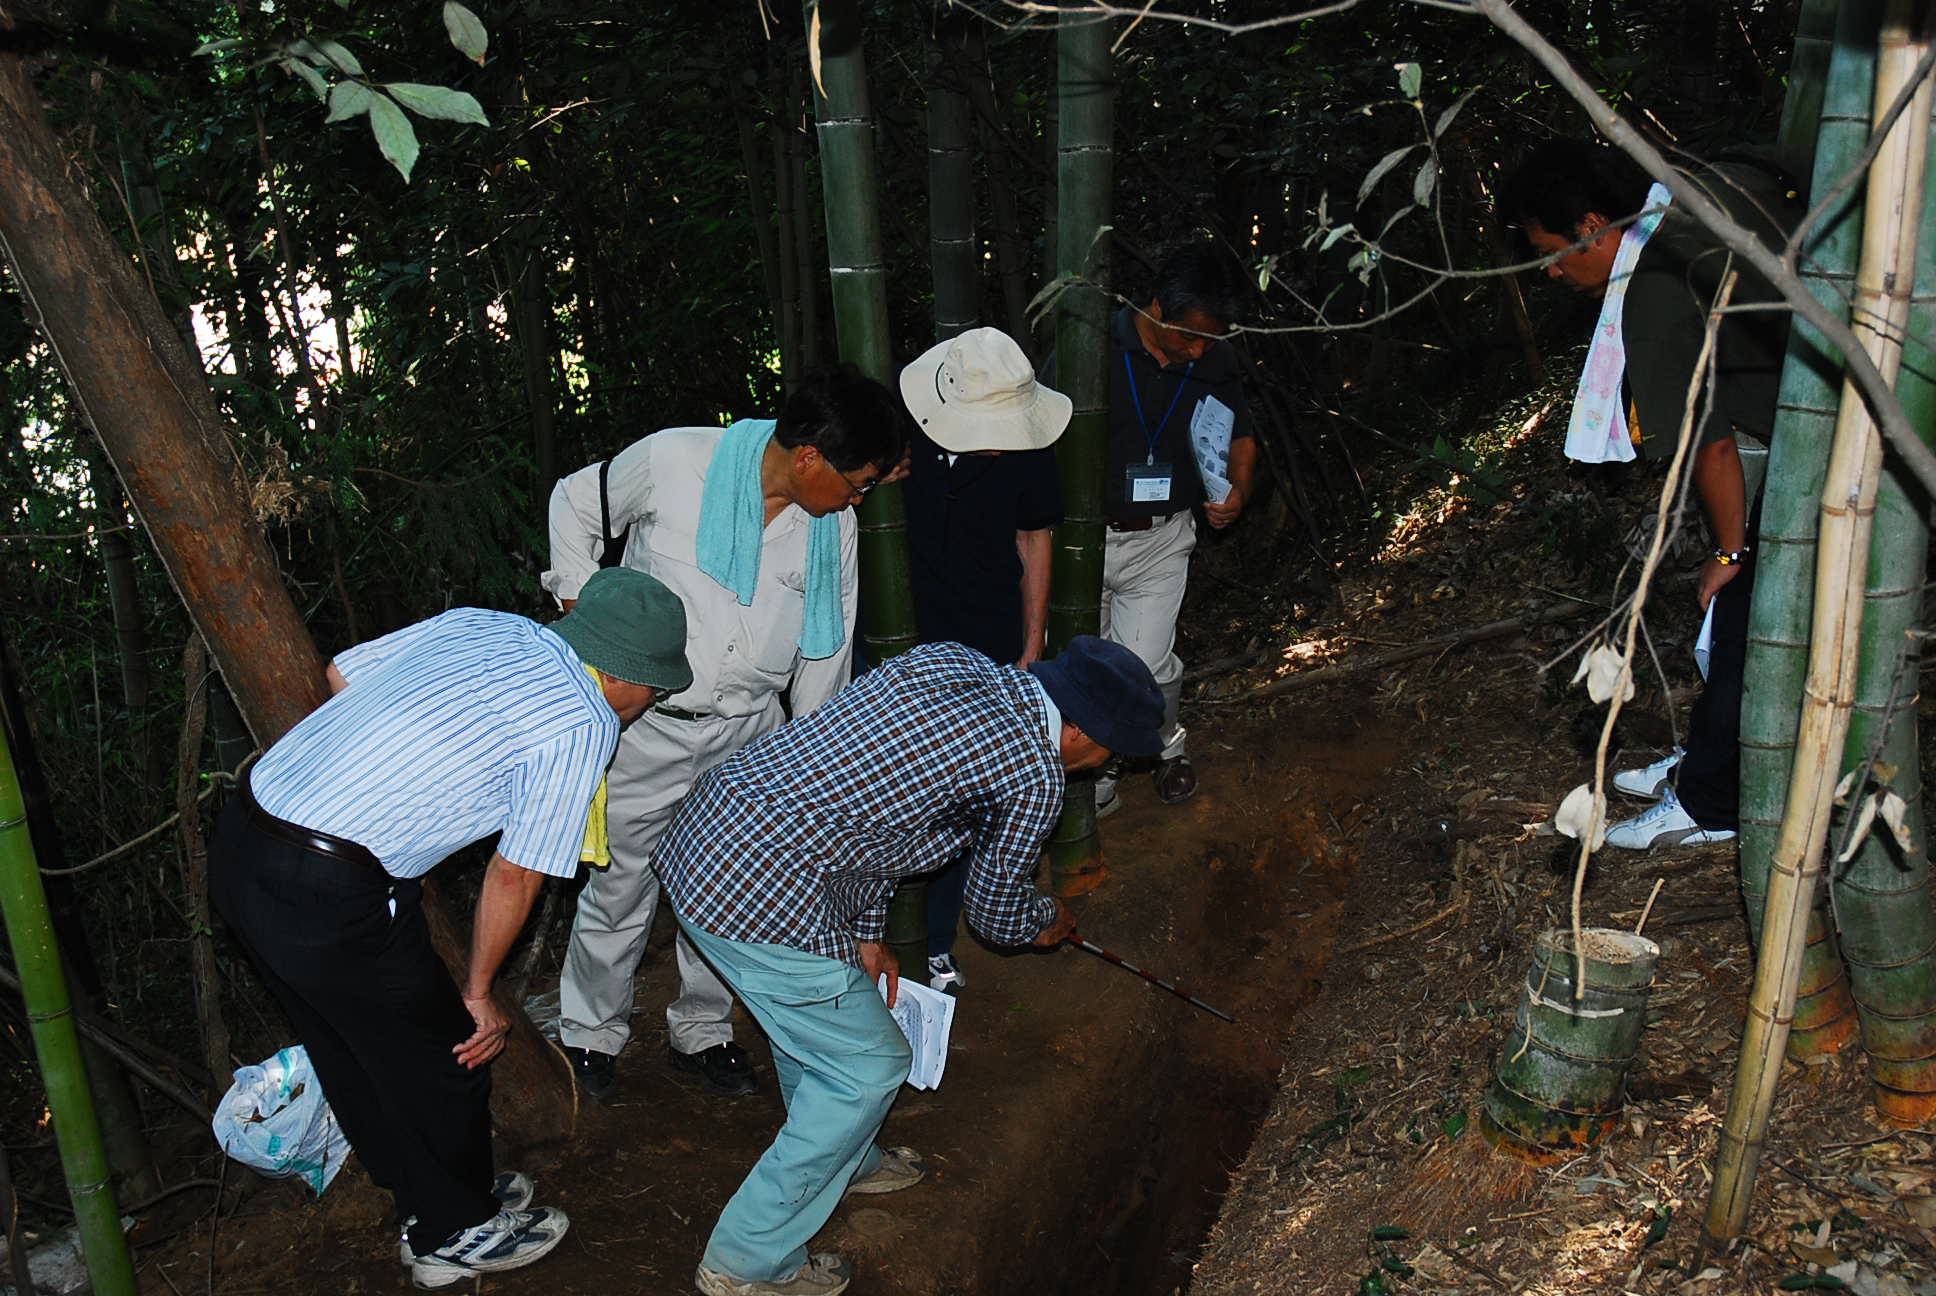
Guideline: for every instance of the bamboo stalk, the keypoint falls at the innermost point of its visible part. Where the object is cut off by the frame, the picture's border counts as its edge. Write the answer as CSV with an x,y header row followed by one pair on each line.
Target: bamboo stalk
x,y
1085,164
1777,651
1882,901
30,934
1881,309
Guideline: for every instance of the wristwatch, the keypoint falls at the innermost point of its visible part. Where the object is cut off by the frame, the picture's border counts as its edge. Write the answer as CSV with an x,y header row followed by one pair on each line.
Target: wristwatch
x,y
1731,557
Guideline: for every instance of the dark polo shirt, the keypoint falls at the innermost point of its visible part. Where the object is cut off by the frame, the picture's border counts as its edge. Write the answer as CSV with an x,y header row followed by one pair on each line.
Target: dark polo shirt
x,y
962,520
1218,375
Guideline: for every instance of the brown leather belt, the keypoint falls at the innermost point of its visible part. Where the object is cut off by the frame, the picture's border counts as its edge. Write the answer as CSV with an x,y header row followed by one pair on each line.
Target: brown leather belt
x,y
317,843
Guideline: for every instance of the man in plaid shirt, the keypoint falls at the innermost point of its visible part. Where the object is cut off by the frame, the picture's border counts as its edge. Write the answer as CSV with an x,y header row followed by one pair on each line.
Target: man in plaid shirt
x,y
780,866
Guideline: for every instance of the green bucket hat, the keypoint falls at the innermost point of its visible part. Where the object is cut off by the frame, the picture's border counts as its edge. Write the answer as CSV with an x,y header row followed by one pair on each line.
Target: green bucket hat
x,y
630,626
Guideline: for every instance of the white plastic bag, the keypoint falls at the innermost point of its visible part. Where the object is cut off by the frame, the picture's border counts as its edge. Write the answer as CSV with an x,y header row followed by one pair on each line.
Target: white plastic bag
x,y
275,1119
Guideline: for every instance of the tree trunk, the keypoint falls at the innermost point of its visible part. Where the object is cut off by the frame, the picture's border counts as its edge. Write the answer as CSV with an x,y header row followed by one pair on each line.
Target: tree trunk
x,y
759,211
531,311
1011,258
189,837
152,409
1085,168
124,598
1801,108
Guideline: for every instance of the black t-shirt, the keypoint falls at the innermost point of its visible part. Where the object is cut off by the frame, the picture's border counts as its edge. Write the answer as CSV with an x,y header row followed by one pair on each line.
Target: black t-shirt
x,y
962,520
1180,393
1665,317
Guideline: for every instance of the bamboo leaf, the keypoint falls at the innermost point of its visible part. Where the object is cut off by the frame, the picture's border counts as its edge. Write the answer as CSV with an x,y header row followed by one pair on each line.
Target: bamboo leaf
x,y
394,134
1381,170
1603,669
1428,175
348,99
813,52
1848,782
466,32
1582,815
1895,812
439,102
1390,1233
1334,235
1446,117
1395,217
1864,820
308,75
1411,78
215,46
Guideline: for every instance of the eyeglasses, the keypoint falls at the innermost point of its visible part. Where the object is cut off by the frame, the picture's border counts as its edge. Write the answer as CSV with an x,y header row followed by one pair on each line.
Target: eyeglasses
x,y
853,485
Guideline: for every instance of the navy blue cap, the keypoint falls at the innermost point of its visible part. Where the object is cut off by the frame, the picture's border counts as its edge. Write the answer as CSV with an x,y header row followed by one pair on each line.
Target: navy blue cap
x,y
1103,689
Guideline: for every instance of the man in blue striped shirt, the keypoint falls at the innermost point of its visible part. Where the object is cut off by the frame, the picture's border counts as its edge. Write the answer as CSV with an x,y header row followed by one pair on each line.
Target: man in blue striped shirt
x,y
780,865
469,724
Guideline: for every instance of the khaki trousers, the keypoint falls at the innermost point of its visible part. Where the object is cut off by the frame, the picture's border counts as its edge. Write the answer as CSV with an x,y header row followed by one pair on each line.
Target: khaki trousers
x,y
1143,575
658,759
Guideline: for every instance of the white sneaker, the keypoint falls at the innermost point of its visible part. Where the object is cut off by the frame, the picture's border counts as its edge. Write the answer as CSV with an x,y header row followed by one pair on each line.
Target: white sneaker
x,y
824,1274
507,1240
945,975
513,1191
1649,781
1664,824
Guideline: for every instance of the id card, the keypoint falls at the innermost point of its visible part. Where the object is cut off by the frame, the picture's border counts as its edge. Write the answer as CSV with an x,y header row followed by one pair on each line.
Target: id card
x,y
1146,483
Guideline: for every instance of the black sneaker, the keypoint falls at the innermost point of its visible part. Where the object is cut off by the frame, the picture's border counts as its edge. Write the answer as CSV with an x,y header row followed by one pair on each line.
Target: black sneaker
x,y
597,1072
723,1069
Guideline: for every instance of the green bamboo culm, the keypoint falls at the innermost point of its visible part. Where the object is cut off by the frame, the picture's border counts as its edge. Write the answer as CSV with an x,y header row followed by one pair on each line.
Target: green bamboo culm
x,y
1778,627
953,258
1085,125
1801,107
844,120
30,935
1882,904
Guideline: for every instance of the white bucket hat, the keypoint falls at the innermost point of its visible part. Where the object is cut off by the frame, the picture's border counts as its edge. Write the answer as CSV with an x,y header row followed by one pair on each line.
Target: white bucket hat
x,y
977,392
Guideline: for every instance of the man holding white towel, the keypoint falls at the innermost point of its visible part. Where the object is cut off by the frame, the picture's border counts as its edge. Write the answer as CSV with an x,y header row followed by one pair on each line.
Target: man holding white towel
x,y
1656,274
752,527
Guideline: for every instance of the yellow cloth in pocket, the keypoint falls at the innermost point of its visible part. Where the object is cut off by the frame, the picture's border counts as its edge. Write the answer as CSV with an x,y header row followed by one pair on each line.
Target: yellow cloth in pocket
x,y
597,850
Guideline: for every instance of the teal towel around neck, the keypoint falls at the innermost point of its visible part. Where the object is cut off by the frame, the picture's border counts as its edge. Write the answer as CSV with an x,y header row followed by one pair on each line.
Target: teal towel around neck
x,y
732,524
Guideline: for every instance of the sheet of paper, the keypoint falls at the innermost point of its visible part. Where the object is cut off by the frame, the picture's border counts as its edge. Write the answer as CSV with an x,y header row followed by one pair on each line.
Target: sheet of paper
x,y
926,1017
1210,428
1704,642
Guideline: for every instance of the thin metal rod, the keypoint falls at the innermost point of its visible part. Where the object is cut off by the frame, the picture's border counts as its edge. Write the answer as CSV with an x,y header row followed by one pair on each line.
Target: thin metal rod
x,y
1118,960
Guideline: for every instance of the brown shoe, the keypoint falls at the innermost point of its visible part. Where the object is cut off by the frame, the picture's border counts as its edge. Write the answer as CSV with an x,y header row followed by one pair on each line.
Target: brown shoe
x,y
1176,780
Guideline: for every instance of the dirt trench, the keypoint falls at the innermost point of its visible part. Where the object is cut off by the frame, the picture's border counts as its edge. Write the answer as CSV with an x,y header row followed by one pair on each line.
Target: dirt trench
x,y
1087,1125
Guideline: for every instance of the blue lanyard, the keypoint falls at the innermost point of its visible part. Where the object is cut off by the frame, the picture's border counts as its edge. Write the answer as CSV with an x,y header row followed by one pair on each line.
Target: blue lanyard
x,y
1136,398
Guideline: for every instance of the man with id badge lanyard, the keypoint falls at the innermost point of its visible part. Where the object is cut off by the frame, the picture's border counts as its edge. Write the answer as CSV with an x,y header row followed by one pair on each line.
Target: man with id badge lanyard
x,y
1176,414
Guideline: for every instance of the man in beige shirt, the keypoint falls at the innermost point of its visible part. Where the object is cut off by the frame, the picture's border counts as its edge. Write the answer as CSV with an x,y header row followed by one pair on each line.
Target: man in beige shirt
x,y
837,434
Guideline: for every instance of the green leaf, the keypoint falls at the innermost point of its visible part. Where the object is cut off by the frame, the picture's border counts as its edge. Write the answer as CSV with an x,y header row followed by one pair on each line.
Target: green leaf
x,y
349,99
439,102
1445,118
466,32
1811,1282
1410,79
339,58
1329,239
309,75
394,134
1377,173
215,46
1454,1125
1390,1233
1428,175
1371,1285
1393,1264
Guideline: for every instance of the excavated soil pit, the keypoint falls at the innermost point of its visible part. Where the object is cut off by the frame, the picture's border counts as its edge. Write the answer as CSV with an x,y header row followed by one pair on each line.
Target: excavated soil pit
x,y
1087,1125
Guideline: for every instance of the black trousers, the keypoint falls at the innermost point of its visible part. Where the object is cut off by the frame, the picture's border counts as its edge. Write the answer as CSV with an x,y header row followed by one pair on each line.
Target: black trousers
x,y
377,1012
1708,781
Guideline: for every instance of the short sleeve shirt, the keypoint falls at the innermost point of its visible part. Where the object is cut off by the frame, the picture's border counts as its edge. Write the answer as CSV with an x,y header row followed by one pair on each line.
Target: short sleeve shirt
x,y
962,522
1150,412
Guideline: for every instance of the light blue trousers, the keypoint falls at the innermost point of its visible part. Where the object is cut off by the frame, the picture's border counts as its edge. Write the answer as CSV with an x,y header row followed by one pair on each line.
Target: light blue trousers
x,y
840,1060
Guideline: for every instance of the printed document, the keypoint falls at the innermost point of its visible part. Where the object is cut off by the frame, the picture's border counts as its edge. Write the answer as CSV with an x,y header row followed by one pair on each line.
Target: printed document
x,y
1210,429
925,1016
